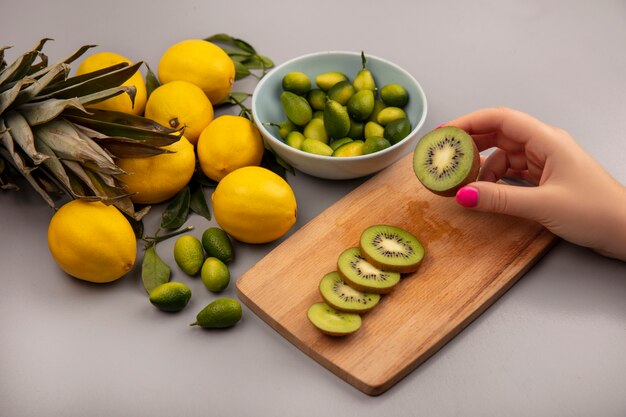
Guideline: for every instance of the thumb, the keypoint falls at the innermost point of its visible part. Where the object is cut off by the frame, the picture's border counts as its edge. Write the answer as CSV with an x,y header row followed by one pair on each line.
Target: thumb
x,y
520,201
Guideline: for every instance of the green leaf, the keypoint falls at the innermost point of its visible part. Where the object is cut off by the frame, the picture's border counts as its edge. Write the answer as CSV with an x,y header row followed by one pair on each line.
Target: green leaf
x,y
137,225
244,55
8,96
154,271
255,62
236,98
91,83
73,57
236,54
21,66
34,89
3,63
152,82
177,211
200,179
23,136
79,79
227,39
99,96
16,160
116,129
56,167
125,148
276,164
120,118
42,112
266,61
68,143
241,71
198,203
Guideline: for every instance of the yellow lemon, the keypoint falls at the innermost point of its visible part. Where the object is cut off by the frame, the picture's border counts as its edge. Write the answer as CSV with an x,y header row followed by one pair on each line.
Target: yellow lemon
x,y
120,102
201,63
227,143
158,178
180,103
92,241
254,205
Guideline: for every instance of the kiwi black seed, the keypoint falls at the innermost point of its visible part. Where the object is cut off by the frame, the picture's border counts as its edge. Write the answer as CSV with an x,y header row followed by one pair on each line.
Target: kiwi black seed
x,y
391,248
445,160
333,322
342,297
361,275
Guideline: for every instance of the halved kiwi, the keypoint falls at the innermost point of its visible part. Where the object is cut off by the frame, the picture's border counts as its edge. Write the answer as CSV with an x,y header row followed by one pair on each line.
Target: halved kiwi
x,y
333,322
391,248
343,297
445,160
361,275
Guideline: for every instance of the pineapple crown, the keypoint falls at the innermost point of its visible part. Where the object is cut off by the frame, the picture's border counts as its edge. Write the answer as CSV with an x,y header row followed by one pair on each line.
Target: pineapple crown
x,y
50,138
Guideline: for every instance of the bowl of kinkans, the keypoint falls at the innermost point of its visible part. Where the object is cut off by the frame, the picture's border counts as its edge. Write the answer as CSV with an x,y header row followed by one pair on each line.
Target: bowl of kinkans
x,y
339,115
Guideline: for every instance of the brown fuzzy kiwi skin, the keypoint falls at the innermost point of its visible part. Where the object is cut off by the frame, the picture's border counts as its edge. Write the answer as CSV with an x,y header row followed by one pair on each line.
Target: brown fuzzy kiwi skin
x,y
403,269
472,175
362,288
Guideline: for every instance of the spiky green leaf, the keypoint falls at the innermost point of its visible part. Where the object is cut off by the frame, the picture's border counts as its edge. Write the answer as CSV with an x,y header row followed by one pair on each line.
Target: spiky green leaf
x,y
20,67
91,83
56,168
30,92
152,82
45,111
137,134
23,136
99,96
65,141
7,97
198,203
177,211
120,118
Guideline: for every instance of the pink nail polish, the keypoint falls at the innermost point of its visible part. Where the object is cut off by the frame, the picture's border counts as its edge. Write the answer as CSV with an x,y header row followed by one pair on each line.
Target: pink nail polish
x,y
441,125
467,196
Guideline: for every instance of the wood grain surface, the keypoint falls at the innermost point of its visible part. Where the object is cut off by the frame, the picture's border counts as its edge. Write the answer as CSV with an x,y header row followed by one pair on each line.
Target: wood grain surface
x,y
471,259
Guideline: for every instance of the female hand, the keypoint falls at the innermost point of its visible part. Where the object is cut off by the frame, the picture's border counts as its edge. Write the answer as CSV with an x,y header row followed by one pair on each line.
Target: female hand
x,y
572,196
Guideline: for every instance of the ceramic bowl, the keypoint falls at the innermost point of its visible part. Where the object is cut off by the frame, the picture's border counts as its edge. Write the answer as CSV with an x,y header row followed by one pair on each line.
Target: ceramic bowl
x,y
267,108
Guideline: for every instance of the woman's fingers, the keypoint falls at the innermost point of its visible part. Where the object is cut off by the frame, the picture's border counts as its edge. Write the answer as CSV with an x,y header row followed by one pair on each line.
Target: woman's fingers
x,y
508,124
501,163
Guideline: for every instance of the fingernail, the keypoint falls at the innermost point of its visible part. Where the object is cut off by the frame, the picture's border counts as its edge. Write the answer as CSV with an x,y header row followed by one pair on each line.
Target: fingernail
x,y
441,125
467,196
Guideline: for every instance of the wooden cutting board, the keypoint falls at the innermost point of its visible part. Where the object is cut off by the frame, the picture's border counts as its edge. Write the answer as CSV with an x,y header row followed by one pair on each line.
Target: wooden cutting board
x,y
471,259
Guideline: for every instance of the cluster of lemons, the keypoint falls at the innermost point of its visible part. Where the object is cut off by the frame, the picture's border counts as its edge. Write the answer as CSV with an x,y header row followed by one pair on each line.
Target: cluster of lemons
x,y
250,203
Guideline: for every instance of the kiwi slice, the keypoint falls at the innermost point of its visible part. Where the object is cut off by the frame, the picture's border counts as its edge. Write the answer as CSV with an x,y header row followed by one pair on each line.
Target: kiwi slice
x,y
391,248
445,160
361,275
342,297
333,322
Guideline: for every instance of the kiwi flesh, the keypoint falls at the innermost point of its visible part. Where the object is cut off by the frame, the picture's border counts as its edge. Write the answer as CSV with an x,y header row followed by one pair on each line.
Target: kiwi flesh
x,y
333,322
391,248
343,297
361,275
445,160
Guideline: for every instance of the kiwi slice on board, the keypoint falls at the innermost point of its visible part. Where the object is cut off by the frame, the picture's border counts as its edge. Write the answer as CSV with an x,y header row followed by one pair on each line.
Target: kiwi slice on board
x,y
343,297
333,322
391,248
445,160
361,275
